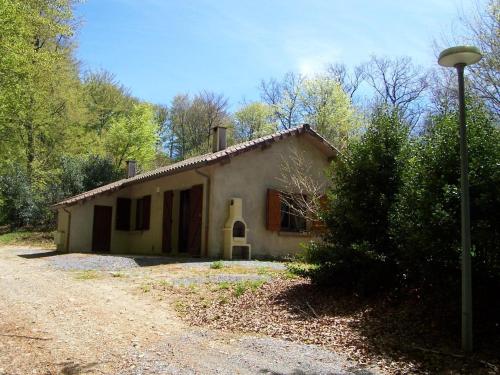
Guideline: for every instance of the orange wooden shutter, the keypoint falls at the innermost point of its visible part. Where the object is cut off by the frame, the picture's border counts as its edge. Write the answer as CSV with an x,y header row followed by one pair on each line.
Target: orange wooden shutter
x,y
273,217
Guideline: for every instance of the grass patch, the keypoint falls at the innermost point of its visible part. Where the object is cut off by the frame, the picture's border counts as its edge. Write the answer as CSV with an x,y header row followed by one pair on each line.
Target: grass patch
x,y
145,288
299,269
87,275
27,238
164,283
241,287
217,265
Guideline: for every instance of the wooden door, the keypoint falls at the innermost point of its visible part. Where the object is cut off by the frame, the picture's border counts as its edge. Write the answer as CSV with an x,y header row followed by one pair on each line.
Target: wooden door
x,y
195,216
167,221
184,212
101,230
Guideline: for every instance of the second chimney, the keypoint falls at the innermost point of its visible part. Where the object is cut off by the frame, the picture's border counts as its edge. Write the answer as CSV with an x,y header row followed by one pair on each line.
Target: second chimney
x,y
219,138
131,166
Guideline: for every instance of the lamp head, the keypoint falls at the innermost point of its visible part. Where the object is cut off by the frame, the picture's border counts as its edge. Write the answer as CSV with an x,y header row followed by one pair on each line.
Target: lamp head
x,y
466,55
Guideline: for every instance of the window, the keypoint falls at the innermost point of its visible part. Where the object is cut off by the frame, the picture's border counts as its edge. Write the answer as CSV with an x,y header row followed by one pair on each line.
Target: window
x,y
123,213
281,216
291,220
142,213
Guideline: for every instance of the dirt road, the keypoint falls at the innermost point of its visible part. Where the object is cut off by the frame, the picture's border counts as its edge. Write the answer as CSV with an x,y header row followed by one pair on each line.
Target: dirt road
x,y
53,323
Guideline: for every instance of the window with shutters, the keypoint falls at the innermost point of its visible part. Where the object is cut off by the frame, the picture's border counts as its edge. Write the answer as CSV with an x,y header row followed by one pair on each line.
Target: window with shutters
x,y
143,213
281,215
123,206
291,220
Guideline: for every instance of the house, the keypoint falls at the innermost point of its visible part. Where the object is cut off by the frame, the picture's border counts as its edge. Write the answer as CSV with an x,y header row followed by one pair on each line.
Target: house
x,y
225,203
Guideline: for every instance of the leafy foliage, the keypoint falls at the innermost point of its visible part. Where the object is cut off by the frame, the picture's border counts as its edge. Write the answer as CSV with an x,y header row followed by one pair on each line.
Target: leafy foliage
x,y
133,137
426,214
393,215
357,246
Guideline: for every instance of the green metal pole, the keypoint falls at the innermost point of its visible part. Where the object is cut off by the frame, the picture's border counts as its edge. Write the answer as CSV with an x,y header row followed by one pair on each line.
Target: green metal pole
x,y
466,241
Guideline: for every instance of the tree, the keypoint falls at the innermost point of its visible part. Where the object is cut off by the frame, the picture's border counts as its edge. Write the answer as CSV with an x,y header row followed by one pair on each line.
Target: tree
x,y
190,121
349,81
38,96
398,83
105,99
252,121
481,28
328,109
133,136
283,97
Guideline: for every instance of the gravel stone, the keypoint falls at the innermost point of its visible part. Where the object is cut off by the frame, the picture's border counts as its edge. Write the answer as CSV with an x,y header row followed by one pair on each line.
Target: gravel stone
x,y
99,262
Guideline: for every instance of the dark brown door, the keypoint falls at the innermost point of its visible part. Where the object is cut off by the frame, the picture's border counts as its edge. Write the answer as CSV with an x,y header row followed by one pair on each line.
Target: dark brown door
x,y
101,230
195,212
167,221
190,220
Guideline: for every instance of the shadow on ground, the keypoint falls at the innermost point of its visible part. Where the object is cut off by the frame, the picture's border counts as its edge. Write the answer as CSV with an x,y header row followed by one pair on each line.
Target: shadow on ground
x,y
402,330
43,254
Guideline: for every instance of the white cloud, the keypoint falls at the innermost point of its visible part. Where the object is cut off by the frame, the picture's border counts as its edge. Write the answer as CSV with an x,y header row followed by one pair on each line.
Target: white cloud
x,y
311,56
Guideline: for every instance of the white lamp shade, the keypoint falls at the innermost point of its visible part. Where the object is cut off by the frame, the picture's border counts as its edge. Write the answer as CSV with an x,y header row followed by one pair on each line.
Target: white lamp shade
x,y
453,56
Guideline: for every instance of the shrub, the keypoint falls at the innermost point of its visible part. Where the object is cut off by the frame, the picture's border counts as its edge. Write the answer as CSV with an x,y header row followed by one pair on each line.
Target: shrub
x,y
357,251
426,216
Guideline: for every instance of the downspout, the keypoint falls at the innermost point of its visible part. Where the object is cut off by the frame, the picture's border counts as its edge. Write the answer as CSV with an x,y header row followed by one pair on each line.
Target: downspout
x,y
69,229
206,192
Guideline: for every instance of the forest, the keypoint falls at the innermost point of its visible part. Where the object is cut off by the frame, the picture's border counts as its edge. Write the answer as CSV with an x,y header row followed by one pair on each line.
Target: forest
x,y
64,130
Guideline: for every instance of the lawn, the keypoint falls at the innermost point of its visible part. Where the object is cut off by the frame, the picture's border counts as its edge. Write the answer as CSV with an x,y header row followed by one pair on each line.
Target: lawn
x,y
37,239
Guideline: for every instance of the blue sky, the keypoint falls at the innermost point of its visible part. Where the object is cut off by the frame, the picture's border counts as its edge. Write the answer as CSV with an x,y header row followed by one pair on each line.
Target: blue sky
x,y
158,48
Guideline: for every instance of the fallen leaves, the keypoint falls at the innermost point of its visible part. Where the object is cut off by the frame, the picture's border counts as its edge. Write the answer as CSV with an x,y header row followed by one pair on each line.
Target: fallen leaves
x,y
368,332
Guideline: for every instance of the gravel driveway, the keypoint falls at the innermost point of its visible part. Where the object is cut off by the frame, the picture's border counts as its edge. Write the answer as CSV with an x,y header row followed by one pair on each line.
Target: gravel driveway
x,y
72,262
54,323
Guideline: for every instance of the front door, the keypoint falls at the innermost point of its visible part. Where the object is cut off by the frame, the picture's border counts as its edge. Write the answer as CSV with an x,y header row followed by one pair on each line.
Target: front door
x,y
190,211
167,221
101,230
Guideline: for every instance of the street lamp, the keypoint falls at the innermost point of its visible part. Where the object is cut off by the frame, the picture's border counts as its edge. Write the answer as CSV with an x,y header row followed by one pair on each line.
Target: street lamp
x,y
459,57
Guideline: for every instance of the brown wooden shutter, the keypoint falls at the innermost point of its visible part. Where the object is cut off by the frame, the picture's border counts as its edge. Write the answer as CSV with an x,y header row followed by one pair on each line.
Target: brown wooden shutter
x,y
146,210
195,219
168,199
123,213
319,225
273,217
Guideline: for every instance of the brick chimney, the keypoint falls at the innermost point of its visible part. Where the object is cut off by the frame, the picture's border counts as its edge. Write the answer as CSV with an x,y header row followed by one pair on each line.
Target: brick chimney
x,y
131,168
219,138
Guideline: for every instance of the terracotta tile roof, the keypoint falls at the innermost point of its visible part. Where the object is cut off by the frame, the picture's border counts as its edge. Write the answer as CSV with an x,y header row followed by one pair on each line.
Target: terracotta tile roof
x,y
197,162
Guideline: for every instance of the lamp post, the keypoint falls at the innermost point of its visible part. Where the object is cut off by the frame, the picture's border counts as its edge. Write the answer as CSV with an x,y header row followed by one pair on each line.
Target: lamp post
x,y
459,57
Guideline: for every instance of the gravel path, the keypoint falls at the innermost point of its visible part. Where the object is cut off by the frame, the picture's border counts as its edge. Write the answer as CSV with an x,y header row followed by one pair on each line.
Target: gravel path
x,y
82,262
52,323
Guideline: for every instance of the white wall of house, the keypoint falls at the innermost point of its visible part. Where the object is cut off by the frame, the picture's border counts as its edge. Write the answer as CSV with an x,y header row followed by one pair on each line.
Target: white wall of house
x,y
133,241
246,176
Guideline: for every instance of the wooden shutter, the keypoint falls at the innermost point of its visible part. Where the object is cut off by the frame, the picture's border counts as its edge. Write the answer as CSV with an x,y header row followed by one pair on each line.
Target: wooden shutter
x,y
138,214
146,211
123,213
273,216
195,219
319,225
168,199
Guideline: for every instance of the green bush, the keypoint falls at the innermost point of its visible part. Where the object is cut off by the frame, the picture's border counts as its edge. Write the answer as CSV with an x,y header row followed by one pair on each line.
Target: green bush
x,y
357,251
393,216
426,215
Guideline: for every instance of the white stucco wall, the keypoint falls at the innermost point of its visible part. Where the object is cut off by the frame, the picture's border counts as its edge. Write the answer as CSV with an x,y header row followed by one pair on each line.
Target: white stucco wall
x,y
248,176
133,241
